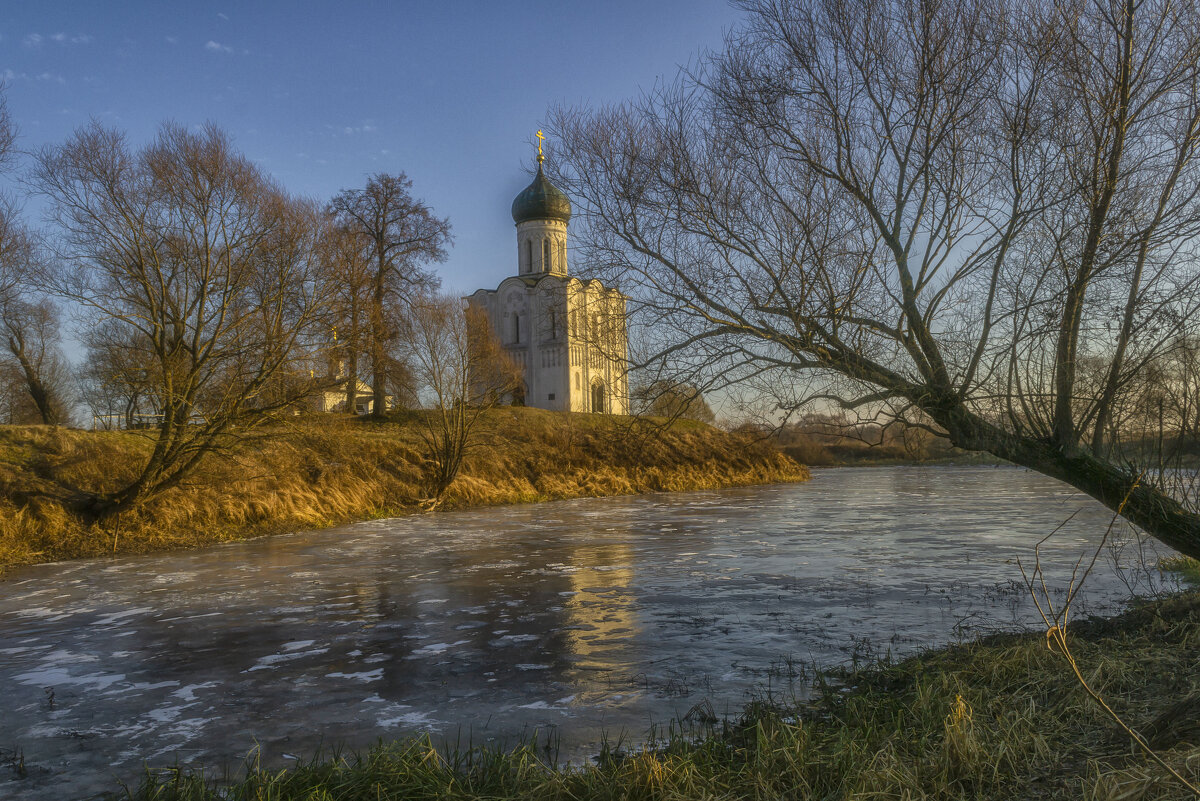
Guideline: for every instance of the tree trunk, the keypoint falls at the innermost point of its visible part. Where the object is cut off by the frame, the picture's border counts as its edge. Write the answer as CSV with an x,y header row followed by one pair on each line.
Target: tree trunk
x,y
33,382
351,372
1157,513
378,368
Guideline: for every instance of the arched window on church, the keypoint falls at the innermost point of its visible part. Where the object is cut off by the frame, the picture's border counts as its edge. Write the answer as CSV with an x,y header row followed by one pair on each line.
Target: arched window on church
x,y
528,256
516,327
553,324
546,255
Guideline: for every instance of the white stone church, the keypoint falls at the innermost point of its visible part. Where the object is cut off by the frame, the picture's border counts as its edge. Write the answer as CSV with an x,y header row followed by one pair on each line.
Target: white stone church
x,y
568,334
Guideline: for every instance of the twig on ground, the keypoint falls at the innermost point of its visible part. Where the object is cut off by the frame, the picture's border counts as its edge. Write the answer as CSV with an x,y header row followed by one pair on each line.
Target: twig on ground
x,y
1056,627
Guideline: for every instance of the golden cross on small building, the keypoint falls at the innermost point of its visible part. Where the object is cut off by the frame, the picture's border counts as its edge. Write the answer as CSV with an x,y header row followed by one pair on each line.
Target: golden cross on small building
x,y
541,158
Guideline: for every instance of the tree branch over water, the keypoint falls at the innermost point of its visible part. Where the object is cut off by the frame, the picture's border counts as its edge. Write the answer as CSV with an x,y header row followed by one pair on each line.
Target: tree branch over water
x,y
987,214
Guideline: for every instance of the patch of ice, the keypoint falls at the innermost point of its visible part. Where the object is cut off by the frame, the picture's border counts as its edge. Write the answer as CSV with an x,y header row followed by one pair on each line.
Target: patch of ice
x,y
471,624
115,617
270,661
407,719
369,675
296,644
41,612
145,685
434,648
188,691
57,677
164,714
537,705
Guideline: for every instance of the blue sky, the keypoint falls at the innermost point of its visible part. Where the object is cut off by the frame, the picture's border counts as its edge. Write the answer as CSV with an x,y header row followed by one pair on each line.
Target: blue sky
x,y
323,94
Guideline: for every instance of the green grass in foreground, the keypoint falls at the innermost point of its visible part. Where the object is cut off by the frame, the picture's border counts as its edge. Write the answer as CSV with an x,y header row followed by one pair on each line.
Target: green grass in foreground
x,y
998,718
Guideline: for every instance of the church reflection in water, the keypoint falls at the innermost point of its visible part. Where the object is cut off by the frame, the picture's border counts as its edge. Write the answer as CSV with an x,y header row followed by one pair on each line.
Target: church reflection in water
x,y
601,614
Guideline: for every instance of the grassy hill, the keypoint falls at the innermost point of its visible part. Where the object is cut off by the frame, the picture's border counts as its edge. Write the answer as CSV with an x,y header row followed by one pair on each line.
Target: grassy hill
x,y
317,471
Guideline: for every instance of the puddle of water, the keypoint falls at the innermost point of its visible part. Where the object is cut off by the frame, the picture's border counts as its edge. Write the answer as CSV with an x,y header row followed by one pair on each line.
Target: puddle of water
x,y
574,618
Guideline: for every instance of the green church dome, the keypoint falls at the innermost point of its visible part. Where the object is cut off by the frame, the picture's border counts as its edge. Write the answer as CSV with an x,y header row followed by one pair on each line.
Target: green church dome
x,y
541,200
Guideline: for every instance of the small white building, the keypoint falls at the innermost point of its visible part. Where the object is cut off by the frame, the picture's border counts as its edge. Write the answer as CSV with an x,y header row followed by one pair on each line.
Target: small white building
x,y
568,334
333,399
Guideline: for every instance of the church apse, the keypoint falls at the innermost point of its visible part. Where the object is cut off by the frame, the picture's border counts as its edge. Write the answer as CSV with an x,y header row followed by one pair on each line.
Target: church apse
x,y
568,334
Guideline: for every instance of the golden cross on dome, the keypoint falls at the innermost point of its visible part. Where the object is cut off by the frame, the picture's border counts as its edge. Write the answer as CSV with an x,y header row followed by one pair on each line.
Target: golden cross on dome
x,y
541,158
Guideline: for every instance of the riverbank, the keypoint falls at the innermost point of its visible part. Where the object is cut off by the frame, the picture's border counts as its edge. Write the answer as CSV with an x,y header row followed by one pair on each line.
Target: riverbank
x,y
1002,717
313,472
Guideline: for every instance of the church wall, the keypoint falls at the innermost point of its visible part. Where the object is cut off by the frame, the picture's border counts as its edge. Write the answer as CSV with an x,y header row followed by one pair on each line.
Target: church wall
x,y
567,335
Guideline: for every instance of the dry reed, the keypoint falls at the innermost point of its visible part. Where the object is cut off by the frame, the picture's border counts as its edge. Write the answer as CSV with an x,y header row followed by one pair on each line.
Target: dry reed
x,y
317,471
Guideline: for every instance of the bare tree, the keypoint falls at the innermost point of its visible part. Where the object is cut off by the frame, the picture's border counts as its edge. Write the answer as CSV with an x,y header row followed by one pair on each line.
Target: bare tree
x,y
461,370
672,400
184,250
17,248
30,335
33,363
118,378
399,233
985,212
29,324
349,272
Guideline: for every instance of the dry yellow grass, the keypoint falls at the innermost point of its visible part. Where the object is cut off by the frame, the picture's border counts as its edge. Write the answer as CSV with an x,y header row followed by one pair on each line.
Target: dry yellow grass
x,y
317,471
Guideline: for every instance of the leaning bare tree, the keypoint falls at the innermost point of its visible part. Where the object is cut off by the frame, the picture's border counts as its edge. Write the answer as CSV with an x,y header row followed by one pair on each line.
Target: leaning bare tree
x,y
460,370
30,344
398,233
984,212
187,252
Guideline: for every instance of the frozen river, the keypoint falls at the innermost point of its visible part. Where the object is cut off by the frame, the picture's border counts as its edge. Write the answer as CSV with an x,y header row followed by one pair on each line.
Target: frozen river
x,y
573,618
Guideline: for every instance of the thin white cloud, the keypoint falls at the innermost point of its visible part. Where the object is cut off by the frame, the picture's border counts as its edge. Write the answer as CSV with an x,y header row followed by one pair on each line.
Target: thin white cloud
x,y
217,47
350,130
8,76
171,39
60,38
223,16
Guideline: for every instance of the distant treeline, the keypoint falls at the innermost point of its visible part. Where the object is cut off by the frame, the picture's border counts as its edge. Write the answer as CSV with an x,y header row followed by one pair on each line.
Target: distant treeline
x,y
826,440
